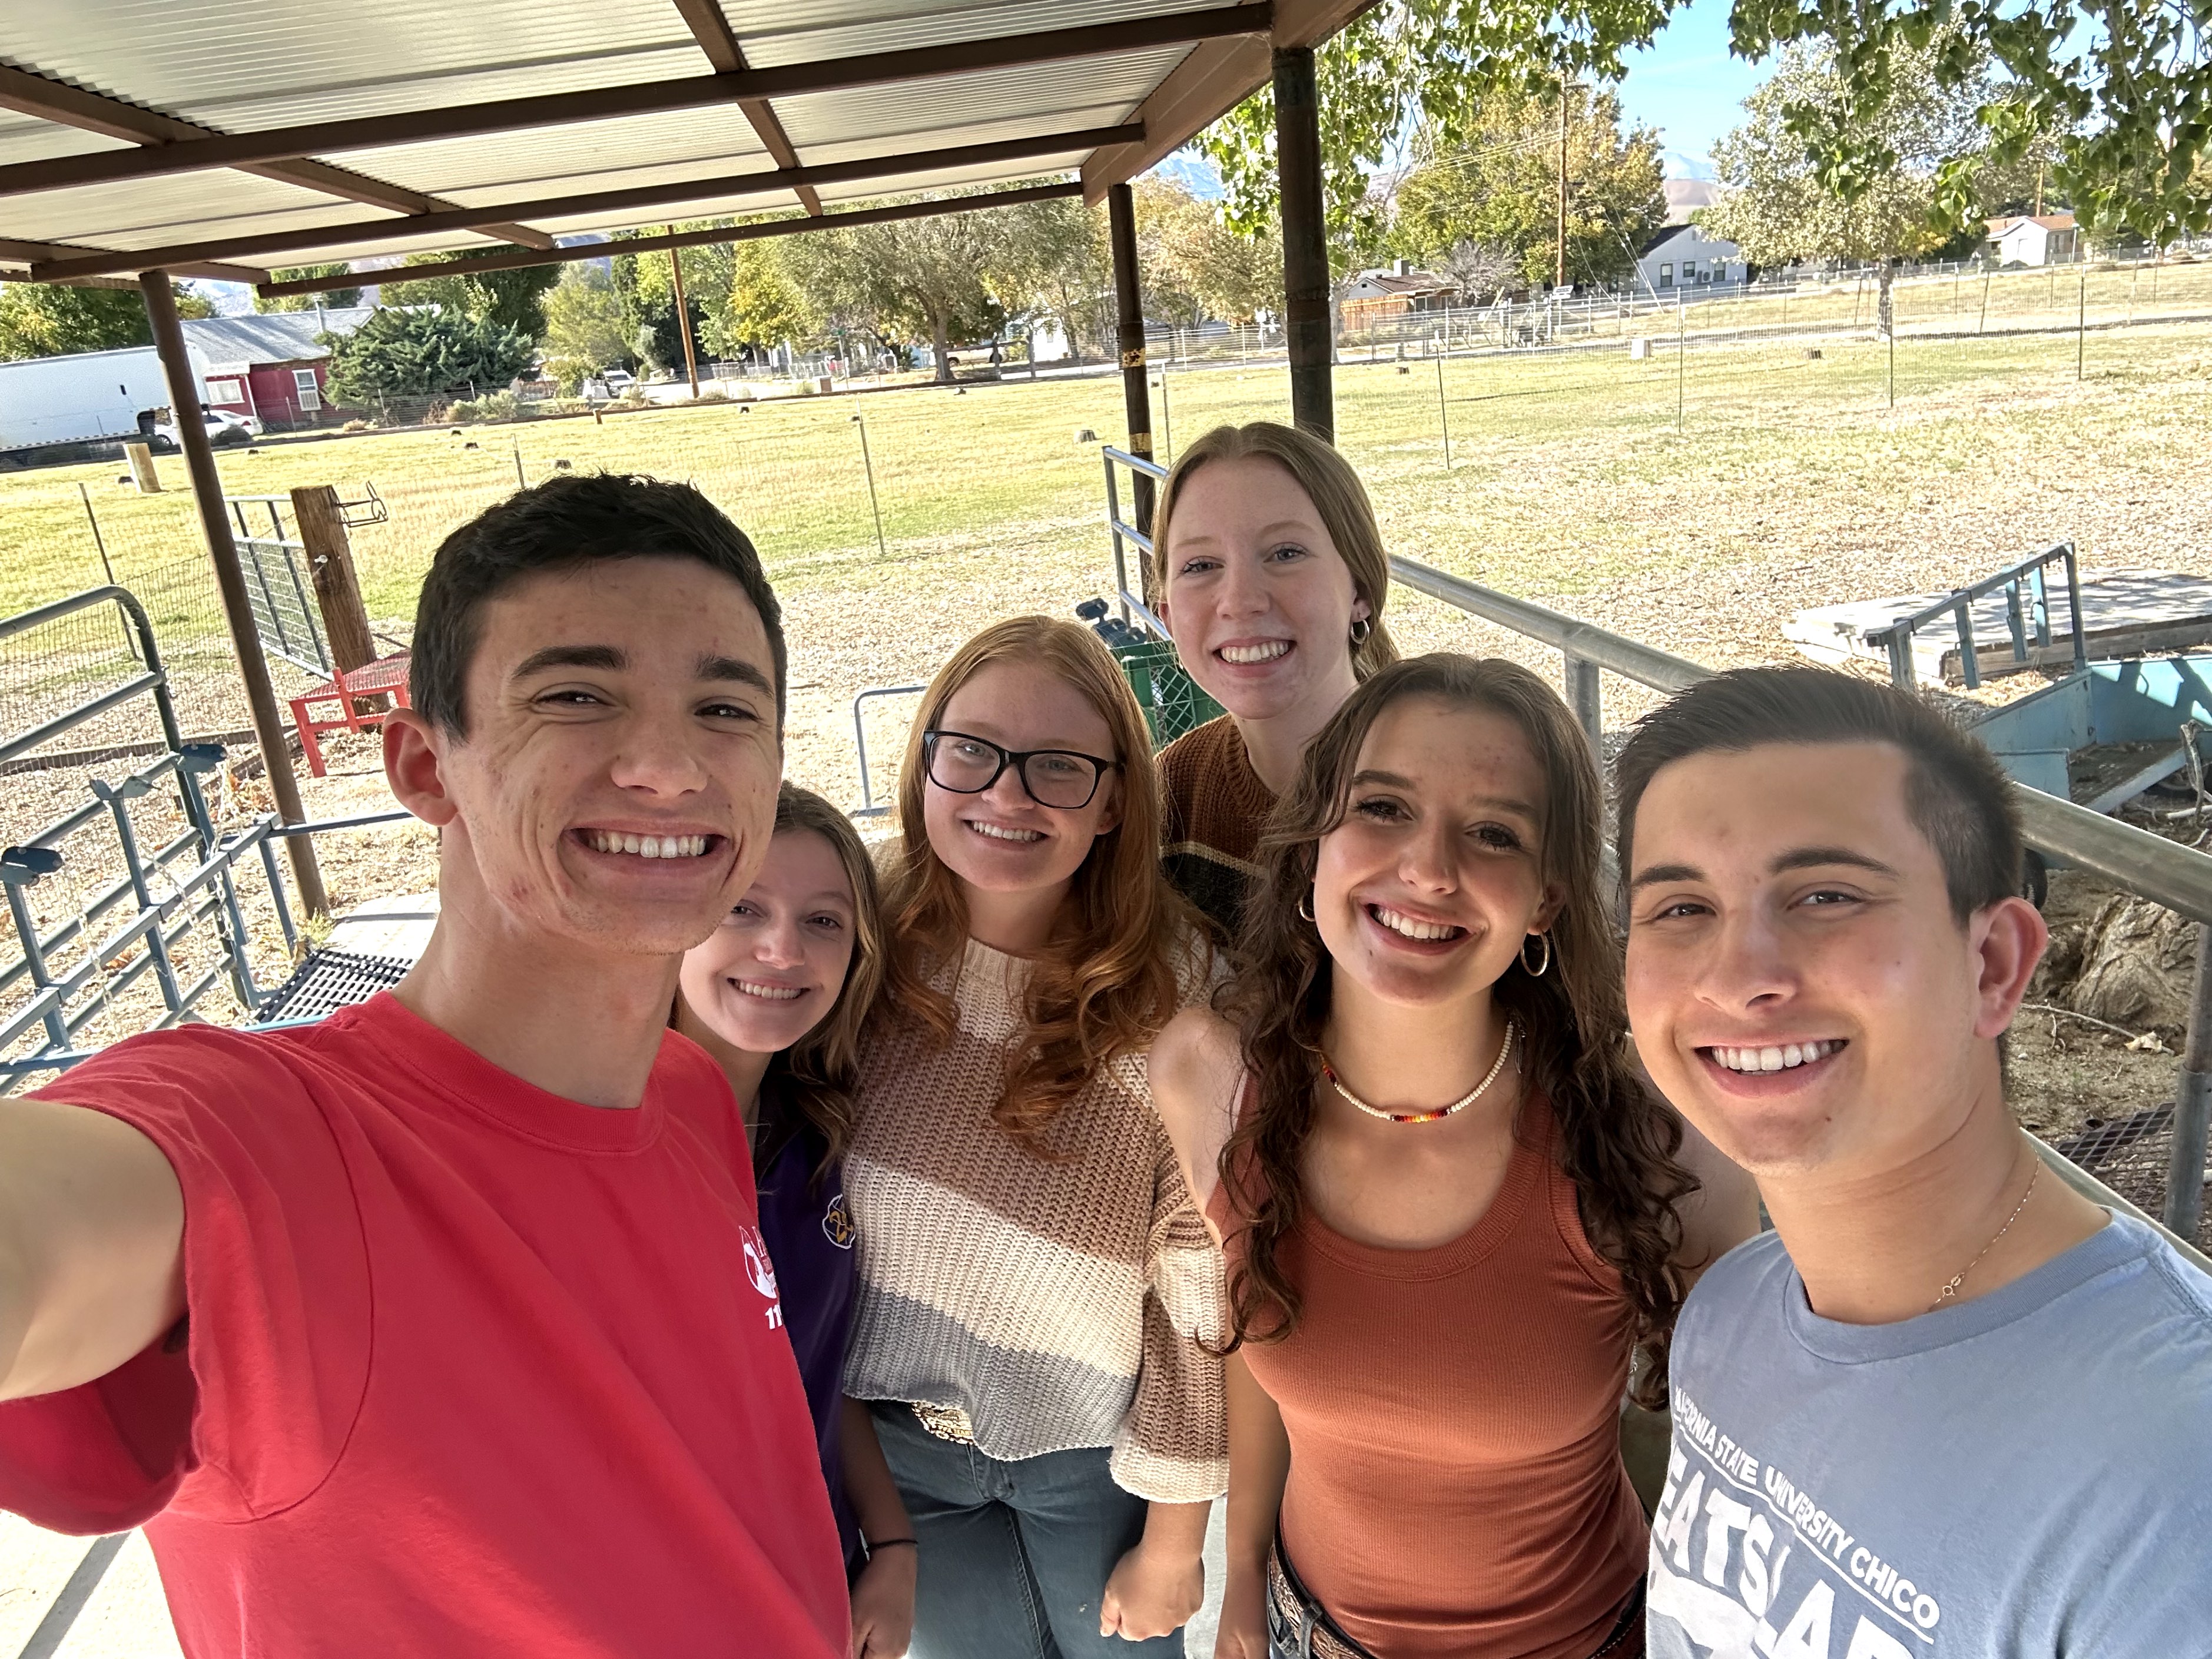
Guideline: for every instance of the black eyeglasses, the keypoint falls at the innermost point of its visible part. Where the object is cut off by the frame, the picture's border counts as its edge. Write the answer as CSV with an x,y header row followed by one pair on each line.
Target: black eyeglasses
x,y
1062,778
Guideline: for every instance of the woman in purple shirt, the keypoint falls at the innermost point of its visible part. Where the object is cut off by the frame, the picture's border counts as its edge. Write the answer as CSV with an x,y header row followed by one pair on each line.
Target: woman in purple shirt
x,y
777,996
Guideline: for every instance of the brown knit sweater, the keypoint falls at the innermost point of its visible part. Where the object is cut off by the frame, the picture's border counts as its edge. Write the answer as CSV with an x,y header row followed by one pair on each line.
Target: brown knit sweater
x,y
1216,806
1052,1302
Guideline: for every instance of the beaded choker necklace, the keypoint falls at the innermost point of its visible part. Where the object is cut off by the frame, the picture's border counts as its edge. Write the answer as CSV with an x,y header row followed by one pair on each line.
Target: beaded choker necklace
x,y
1512,1030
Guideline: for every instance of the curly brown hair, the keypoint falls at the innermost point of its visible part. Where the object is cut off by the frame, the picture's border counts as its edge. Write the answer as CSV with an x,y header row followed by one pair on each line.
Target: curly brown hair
x,y
1109,984
1617,1139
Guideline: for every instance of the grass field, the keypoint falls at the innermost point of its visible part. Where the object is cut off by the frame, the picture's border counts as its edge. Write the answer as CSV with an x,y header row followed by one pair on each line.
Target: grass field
x,y
1791,483
1694,500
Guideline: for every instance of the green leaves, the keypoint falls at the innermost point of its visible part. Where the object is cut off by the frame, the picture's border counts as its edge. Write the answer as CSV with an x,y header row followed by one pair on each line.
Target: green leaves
x,y
424,353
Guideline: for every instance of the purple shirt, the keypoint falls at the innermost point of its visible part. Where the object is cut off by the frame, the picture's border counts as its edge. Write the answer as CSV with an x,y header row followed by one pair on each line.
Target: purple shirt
x,y
810,1233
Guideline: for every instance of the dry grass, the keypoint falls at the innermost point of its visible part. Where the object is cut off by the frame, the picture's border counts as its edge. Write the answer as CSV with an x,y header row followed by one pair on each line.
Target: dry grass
x,y
1791,482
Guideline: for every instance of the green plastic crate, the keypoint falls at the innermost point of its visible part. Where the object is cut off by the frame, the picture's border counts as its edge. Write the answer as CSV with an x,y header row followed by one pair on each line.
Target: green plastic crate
x,y
1171,701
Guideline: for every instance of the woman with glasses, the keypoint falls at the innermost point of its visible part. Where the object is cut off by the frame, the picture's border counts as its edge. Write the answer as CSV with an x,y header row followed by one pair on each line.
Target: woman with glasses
x,y
1033,1274
1272,579
778,997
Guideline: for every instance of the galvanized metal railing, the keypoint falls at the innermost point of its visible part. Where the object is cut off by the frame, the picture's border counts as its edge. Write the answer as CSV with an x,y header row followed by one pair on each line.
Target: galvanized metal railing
x,y
278,590
1123,532
74,970
2132,860
2027,613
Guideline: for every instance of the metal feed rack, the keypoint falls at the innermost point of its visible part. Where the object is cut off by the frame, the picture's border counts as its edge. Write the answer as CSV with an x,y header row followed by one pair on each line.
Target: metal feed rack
x,y
279,587
2027,616
185,887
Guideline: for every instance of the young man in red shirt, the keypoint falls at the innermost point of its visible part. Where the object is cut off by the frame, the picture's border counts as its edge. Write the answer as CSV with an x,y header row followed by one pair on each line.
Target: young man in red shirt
x,y
438,1327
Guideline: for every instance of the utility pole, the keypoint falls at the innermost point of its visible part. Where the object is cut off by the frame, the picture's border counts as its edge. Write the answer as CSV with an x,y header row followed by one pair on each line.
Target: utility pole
x,y
683,317
1559,265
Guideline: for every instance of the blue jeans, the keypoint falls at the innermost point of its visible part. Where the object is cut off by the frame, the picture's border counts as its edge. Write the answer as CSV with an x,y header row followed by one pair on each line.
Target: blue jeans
x,y
1014,1556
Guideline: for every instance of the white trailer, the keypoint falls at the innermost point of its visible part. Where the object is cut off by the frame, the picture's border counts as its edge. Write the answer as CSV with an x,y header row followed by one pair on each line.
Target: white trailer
x,y
86,397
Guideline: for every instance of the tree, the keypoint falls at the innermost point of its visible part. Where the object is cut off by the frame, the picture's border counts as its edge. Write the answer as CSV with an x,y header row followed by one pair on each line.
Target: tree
x,y
759,305
1780,206
329,296
1500,192
424,353
643,284
2127,84
1192,265
583,324
43,320
506,299
942,276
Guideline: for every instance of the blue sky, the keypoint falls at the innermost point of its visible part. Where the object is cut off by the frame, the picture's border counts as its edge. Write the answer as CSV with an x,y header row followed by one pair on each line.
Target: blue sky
x,y
1688,86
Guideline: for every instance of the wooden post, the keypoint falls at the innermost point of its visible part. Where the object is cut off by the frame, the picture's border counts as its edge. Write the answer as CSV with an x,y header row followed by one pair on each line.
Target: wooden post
x,y
1129,323
1305,242
322,530
141,457
245,637
683,316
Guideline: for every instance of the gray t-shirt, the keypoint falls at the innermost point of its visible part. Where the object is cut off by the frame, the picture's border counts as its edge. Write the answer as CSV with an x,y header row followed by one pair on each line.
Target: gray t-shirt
x,y
2027,1473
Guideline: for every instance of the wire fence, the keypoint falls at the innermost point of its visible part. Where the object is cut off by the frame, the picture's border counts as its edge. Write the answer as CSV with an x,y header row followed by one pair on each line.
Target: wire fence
x,y
831,488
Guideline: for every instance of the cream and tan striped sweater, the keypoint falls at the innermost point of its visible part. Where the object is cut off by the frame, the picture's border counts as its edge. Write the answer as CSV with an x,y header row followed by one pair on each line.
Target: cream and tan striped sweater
x,y
1055,1301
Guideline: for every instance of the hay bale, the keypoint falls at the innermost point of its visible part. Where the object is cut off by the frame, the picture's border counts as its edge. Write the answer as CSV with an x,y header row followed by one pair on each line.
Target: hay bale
x,y
2134,966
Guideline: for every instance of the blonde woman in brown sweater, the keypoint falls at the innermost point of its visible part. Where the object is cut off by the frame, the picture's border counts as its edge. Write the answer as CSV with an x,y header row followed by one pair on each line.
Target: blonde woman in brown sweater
x,y
1033,1274
1452,1206
1272,580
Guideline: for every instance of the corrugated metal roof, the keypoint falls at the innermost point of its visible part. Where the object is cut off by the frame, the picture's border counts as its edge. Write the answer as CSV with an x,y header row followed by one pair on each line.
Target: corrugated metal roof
x,y
150,212
1061,96
238,66
540,160
280,337
775,34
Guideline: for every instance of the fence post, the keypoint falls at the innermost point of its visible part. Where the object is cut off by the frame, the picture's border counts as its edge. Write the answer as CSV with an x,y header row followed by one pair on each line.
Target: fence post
x,y
320,522
1681,360
2082,320
2192,1108
1982,322
1443,419
868,466
1586,697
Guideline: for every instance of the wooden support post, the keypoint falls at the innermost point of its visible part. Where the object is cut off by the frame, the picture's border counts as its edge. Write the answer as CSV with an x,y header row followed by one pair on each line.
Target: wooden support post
x,y
1305,242
141,457
683,315
321,524
245,637
1136,394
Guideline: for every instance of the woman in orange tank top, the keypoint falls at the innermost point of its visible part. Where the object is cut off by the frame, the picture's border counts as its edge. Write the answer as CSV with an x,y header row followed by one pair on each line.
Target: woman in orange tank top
x,y
1451,1207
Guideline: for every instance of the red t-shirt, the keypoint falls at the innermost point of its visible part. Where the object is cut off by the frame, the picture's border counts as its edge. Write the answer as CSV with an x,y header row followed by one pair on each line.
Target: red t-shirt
x,y
468,1368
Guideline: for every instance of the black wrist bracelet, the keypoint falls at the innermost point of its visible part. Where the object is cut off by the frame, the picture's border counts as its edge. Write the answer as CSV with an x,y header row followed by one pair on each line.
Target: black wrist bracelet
x,y
875,1544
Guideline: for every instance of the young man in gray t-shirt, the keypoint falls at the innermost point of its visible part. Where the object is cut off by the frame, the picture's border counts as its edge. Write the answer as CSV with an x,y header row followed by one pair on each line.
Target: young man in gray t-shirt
x,y
1949,1407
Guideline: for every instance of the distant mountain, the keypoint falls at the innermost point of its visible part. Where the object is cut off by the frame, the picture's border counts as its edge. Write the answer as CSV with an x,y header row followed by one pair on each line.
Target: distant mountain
x,y
1686,196
1193,173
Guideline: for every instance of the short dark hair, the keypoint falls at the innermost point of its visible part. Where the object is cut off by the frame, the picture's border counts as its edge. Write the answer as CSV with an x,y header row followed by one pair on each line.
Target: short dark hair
x,y
560,525
1955,792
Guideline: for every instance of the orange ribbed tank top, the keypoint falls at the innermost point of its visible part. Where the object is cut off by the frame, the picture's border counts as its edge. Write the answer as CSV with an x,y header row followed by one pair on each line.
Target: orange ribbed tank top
x,y
1455,1484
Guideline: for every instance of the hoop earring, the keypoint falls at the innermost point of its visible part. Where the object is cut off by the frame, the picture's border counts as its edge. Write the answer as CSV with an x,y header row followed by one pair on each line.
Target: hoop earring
x,y
1544,966
1361,628
1306,905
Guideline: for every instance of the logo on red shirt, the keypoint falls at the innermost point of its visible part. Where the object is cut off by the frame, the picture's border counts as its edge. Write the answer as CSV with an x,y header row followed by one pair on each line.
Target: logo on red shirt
x,y
762,1272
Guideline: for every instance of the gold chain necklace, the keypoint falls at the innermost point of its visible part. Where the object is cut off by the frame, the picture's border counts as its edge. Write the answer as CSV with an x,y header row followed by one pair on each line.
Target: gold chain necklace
x,y
1950,1291
1512,1028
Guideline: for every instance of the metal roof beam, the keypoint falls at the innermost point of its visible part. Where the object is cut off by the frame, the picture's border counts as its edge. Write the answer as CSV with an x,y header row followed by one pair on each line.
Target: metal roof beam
x,y
91,112
607,103
74,263
35,252
1213,80
747,232
712,31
